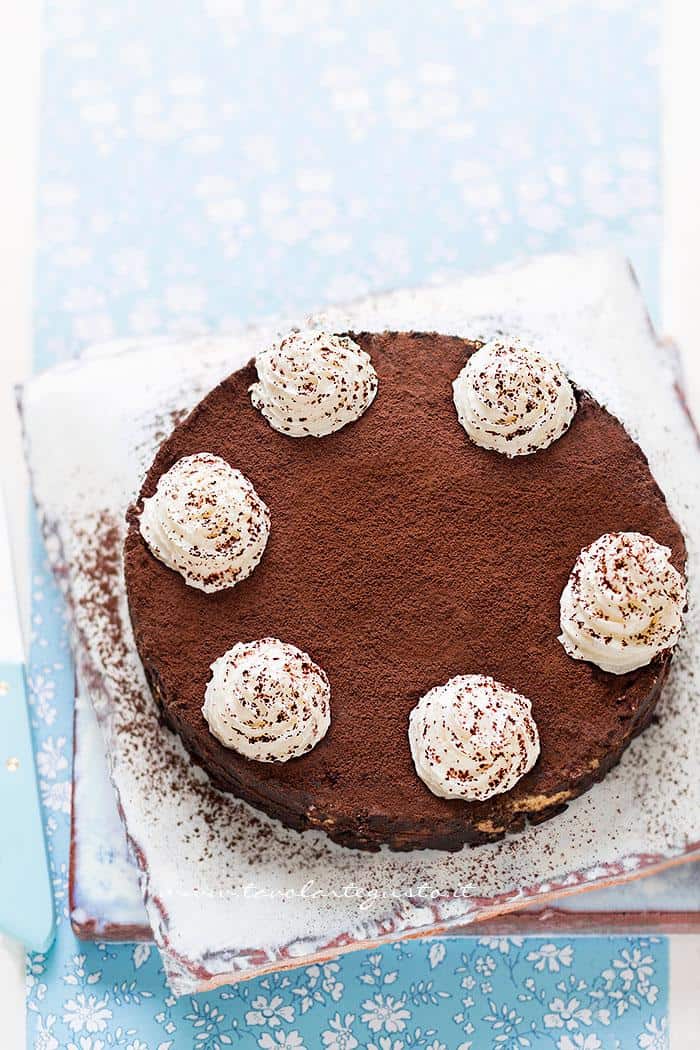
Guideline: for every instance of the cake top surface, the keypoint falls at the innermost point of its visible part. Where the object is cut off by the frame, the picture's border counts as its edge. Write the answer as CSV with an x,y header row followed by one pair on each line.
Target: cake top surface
x,y
400,555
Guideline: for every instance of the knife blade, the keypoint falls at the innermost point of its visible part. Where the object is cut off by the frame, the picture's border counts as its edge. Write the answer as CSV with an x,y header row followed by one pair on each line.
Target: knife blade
x,y
26,898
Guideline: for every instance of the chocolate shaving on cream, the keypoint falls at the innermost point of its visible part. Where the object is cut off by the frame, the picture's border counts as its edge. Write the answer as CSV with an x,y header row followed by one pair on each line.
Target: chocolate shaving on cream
x,y
313,383
206,521
472,738
513,400
623,603
267,700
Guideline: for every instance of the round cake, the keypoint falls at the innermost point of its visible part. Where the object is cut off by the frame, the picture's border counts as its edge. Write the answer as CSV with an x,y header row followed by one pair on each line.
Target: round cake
x,y
402,555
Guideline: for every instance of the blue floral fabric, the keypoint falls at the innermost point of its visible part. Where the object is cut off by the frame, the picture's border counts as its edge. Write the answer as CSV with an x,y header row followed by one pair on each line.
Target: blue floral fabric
x,y
453,994
208,162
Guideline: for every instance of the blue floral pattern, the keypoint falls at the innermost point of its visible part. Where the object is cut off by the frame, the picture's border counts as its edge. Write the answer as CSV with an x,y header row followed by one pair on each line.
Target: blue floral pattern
x,y
207,162
590,993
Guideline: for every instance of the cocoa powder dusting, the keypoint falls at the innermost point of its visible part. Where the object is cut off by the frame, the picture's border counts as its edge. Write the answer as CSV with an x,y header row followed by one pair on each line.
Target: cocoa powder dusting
x,y
400,555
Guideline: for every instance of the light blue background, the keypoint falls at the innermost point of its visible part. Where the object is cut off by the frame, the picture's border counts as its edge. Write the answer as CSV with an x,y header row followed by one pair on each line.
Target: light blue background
x,y
205,162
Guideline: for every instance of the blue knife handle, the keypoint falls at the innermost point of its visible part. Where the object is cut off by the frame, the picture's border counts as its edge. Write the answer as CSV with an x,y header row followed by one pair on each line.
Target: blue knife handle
x,y
26,898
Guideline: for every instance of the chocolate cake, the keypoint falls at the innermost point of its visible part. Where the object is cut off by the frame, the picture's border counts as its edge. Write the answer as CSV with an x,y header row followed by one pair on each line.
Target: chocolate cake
x,y
401,555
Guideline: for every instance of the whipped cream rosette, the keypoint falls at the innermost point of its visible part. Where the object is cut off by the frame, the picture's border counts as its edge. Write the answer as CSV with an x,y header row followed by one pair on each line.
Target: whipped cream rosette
x,y
623,603
267,700
472,738
311,384
512,400
206,521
